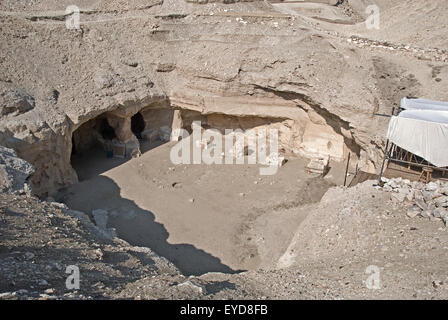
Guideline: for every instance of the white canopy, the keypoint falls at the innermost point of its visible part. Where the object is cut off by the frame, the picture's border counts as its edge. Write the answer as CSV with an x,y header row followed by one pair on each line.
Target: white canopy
x,y
426,115
423,104
422,128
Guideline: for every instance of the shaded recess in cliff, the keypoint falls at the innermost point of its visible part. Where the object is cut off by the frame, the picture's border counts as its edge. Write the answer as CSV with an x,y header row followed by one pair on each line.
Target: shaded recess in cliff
x,y
112,138
339,125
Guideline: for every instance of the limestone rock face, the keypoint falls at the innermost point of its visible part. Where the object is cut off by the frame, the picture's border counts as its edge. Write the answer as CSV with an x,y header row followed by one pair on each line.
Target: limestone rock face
x,y
242,64
14,172
14,101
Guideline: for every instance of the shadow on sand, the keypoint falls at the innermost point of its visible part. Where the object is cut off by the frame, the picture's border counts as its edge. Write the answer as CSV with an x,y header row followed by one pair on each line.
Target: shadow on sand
x,y
138,226
95,162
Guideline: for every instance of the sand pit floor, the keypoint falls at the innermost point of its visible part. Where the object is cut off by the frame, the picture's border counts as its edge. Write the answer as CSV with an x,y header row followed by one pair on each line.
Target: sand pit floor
x,y
203,218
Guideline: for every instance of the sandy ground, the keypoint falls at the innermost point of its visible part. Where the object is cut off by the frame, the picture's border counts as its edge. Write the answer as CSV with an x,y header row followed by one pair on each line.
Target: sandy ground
x,y
203,218
38,241
349,230
354,244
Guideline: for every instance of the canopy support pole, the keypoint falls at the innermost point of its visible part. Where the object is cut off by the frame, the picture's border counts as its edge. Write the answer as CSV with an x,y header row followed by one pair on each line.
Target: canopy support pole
x,y
386,154
346,169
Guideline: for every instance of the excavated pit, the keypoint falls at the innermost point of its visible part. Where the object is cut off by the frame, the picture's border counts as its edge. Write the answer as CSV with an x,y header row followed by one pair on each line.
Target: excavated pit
x,y
203,218
245,65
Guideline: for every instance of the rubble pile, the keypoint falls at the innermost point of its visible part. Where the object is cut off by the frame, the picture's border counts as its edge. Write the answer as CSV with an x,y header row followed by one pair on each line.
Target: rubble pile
x,y
433,54
426,200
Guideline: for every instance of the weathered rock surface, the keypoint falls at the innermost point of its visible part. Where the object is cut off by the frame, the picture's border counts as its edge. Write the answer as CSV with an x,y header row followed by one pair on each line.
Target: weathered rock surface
x,y
14,172
218,60
14,101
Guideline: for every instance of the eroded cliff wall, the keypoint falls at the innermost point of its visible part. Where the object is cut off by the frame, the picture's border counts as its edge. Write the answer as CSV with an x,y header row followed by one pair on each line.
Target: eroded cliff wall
x,y
242,60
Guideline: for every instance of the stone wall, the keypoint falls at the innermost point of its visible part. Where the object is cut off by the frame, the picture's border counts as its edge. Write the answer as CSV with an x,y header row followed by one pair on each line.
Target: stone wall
x,y
296,137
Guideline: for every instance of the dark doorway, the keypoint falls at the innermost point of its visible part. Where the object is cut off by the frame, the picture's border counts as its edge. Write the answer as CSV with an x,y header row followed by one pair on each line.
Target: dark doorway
x,y
107,132
74,151
92,148
138,125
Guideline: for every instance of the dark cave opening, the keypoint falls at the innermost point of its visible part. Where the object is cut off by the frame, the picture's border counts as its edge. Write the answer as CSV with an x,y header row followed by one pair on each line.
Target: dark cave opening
x,y
138,125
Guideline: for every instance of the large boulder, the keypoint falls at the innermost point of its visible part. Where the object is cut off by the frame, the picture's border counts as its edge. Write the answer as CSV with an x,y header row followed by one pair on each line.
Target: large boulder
x,y
14,172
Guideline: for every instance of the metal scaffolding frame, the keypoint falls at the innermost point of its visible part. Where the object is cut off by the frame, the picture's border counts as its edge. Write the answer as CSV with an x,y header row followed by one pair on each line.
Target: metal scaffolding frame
x,y
394,153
